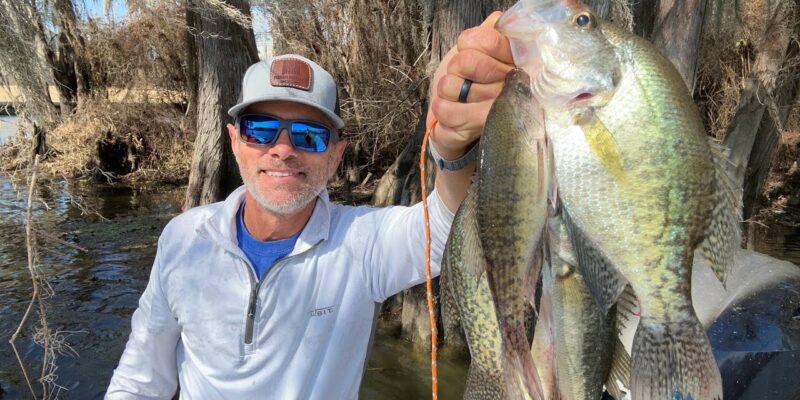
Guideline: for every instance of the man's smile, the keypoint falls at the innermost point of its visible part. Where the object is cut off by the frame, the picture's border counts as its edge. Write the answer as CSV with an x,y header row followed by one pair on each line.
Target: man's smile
x,y
281,173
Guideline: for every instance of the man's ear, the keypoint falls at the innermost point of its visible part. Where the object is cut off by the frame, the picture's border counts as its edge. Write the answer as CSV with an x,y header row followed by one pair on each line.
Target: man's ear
x,y
341,145
338,151
232,135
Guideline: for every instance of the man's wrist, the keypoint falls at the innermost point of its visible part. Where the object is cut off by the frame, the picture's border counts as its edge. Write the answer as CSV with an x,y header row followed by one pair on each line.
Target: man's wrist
x,y
458,163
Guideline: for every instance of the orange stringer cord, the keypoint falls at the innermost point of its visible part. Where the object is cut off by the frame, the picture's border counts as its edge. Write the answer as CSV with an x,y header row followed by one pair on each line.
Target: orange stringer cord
x,y
428,282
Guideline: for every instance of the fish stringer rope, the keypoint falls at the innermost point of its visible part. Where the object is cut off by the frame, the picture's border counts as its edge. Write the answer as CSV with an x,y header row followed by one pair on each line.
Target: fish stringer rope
x,y
428,280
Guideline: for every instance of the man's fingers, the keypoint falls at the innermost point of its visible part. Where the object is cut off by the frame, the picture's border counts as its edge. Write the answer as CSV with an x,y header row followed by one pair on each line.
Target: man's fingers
x,y
486,39
491,20
450,88
478,67
465,119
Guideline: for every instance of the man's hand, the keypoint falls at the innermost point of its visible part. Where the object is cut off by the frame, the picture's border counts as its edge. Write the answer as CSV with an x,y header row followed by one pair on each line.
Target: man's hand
x,y
483,56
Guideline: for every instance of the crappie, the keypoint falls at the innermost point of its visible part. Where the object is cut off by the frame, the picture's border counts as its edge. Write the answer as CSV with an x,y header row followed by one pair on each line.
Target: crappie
x,y
638,179
513,190
585,339
463,260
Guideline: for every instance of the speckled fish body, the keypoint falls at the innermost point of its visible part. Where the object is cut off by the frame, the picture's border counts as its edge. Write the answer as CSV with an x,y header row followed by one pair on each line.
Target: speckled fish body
x,y
514,182
584,336
638,179
461,273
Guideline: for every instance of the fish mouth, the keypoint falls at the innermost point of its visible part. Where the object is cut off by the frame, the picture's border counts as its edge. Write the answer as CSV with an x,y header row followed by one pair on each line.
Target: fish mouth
x,y
582,96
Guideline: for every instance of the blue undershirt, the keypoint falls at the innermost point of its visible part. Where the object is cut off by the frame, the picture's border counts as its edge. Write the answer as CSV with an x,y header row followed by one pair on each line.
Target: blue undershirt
x,y
262,254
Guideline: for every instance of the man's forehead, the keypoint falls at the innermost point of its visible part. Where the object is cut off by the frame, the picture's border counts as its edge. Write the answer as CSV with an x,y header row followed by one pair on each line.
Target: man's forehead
x,y
288,109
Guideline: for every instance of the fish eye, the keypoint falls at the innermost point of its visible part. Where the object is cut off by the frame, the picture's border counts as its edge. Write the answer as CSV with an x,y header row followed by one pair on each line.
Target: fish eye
x,y
584,20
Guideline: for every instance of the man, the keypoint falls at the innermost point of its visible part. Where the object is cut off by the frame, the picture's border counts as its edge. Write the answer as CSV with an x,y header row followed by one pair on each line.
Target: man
x,y
272,294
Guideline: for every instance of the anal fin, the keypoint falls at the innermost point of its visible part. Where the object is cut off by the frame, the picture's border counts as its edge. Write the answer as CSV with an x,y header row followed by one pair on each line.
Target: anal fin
x,y
620,372
723,234
604,281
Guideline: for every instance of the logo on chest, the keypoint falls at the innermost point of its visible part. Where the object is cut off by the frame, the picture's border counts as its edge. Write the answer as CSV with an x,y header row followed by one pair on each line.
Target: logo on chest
x,y
319,312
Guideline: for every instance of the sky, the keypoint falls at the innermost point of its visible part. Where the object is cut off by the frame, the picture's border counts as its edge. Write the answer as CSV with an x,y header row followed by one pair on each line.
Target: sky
x,y
95,8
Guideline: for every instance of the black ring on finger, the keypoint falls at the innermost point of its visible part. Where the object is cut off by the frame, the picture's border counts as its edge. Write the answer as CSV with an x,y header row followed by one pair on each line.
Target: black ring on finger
x,y
462,96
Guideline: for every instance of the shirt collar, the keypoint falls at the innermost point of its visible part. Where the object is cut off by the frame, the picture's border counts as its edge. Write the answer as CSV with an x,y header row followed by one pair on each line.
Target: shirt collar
x,y
222,225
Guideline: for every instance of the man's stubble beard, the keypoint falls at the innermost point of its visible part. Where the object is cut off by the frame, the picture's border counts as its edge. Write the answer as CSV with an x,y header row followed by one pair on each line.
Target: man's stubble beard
x,y
307,193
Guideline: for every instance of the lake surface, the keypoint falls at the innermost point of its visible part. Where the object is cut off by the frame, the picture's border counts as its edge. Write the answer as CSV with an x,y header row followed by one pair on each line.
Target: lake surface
x,y
8,127
95,292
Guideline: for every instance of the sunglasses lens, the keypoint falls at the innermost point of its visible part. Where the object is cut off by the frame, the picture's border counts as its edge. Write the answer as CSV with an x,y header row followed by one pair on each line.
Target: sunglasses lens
x,y
259,129
310,137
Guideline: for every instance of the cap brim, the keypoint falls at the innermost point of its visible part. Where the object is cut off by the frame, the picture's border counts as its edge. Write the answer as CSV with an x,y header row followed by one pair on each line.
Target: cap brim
x,y
234,111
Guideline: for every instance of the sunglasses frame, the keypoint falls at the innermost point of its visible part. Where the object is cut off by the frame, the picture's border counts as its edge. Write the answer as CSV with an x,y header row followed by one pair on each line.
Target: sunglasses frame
x,y
286,124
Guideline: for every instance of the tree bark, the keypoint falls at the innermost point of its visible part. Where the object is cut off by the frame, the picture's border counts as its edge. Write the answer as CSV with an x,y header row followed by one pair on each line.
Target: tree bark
x,y
677,30
27,61
74,47
764,147
225,50
393,183
644,17
190,71
64,75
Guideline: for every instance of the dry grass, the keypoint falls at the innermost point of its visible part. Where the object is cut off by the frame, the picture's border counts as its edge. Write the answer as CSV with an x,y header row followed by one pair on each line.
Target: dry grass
x,y
725,60
377,52
156,130
162,144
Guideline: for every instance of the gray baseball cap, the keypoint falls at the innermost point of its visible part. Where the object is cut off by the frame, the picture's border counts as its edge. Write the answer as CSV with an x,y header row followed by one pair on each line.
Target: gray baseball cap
x,y
290,77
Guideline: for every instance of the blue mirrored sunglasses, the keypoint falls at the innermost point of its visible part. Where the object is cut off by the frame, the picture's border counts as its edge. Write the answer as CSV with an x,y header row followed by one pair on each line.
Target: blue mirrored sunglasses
x,y
263,129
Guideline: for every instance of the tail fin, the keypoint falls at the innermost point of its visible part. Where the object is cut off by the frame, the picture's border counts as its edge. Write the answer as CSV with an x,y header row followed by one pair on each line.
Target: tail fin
x,y
522,379
673,361
483,385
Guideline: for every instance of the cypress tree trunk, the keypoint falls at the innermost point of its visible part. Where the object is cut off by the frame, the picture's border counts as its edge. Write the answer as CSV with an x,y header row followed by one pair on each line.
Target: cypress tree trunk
x,y
225,50
677,32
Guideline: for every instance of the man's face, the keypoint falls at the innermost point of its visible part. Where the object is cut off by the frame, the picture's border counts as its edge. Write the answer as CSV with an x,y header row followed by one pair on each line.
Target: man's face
x,y
281,178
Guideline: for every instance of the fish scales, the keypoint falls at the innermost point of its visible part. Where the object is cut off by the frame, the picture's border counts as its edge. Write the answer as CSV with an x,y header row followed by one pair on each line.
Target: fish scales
x,y
584,336
642,210
513,187
473,301
636,176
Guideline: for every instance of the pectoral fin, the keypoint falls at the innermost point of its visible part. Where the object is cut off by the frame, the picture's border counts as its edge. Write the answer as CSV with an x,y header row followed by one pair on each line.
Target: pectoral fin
x,y
604,146
471,249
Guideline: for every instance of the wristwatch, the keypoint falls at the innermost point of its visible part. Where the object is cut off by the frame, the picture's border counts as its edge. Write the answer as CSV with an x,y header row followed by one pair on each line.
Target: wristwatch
x,y
454,165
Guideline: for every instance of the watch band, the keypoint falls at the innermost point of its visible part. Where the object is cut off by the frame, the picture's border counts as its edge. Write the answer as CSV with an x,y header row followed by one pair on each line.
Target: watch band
x,y
454,165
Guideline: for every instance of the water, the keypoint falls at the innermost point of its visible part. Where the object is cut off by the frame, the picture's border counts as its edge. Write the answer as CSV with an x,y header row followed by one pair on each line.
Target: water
x,y
782,242
8,127
95,292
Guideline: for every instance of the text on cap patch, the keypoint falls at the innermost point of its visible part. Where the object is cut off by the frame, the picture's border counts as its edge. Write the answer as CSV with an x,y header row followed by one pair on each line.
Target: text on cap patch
x,y
290,72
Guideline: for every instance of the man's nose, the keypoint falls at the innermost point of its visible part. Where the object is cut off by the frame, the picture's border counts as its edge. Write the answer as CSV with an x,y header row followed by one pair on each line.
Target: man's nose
x,y
282,147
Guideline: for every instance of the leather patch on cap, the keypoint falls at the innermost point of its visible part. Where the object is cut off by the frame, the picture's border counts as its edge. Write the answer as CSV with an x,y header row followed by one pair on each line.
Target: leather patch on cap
x,y
290,72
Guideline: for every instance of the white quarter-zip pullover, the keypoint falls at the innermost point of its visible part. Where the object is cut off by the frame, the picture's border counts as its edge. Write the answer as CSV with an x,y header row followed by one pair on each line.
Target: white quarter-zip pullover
x,y
205,322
